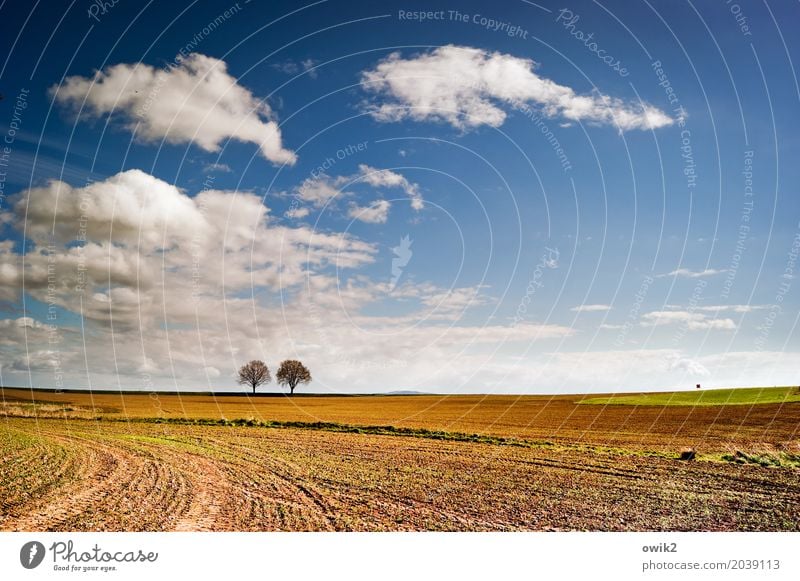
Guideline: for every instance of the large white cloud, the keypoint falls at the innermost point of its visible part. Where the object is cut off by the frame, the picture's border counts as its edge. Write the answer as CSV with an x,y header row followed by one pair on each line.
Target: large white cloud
x,y
135,231
468,87
182,289
195,101
131,206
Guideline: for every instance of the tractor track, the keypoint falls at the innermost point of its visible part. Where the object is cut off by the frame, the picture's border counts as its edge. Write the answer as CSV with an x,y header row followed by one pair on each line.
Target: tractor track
x,y
120,477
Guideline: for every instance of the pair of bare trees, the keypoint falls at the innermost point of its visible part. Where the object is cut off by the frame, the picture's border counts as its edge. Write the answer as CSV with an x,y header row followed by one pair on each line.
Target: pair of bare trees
x,y
291,373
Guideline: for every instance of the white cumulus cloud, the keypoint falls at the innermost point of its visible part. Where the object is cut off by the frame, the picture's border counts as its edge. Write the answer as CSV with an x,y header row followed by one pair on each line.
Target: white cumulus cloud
x,y
469,87
193,101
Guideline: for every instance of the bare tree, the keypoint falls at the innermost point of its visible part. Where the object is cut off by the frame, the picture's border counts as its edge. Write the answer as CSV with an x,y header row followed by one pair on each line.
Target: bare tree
x,y
291,373
254,374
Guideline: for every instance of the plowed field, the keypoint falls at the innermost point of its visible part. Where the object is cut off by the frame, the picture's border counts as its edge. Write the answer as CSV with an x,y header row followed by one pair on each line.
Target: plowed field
x,y
411,463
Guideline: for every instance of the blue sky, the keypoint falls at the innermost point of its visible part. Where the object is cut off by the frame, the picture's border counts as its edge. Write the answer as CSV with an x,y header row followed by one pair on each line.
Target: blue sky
x,y
598,196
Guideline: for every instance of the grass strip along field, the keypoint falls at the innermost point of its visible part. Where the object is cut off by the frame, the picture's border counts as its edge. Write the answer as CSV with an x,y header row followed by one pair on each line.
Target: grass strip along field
x,y
709,397
75,462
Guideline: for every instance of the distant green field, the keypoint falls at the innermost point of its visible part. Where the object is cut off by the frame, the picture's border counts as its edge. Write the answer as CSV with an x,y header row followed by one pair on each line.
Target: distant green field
x,y
709,397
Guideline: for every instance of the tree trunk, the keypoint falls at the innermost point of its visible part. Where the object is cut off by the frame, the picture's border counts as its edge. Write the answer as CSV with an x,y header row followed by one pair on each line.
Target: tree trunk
x,y
291,389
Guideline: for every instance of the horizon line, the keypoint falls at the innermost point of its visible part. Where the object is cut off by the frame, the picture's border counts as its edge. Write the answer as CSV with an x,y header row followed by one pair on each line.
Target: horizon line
x,y
409,393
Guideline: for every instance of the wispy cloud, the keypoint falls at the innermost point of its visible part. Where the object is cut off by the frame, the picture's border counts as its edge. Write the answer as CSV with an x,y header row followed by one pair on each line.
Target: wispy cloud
x,y
323,189
693,321
732,308
291,67
590,308
217,168
686,273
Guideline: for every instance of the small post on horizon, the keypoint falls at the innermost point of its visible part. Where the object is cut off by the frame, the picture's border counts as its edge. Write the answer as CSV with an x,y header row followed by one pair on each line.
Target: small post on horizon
x,y
698,386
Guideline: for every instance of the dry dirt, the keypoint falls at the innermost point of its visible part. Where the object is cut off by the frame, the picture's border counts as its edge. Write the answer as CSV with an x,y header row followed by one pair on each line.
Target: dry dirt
x,y
84,475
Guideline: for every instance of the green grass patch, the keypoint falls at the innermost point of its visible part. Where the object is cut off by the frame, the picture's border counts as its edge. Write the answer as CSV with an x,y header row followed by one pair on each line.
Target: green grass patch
x,y
351,429
704,397
765,459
